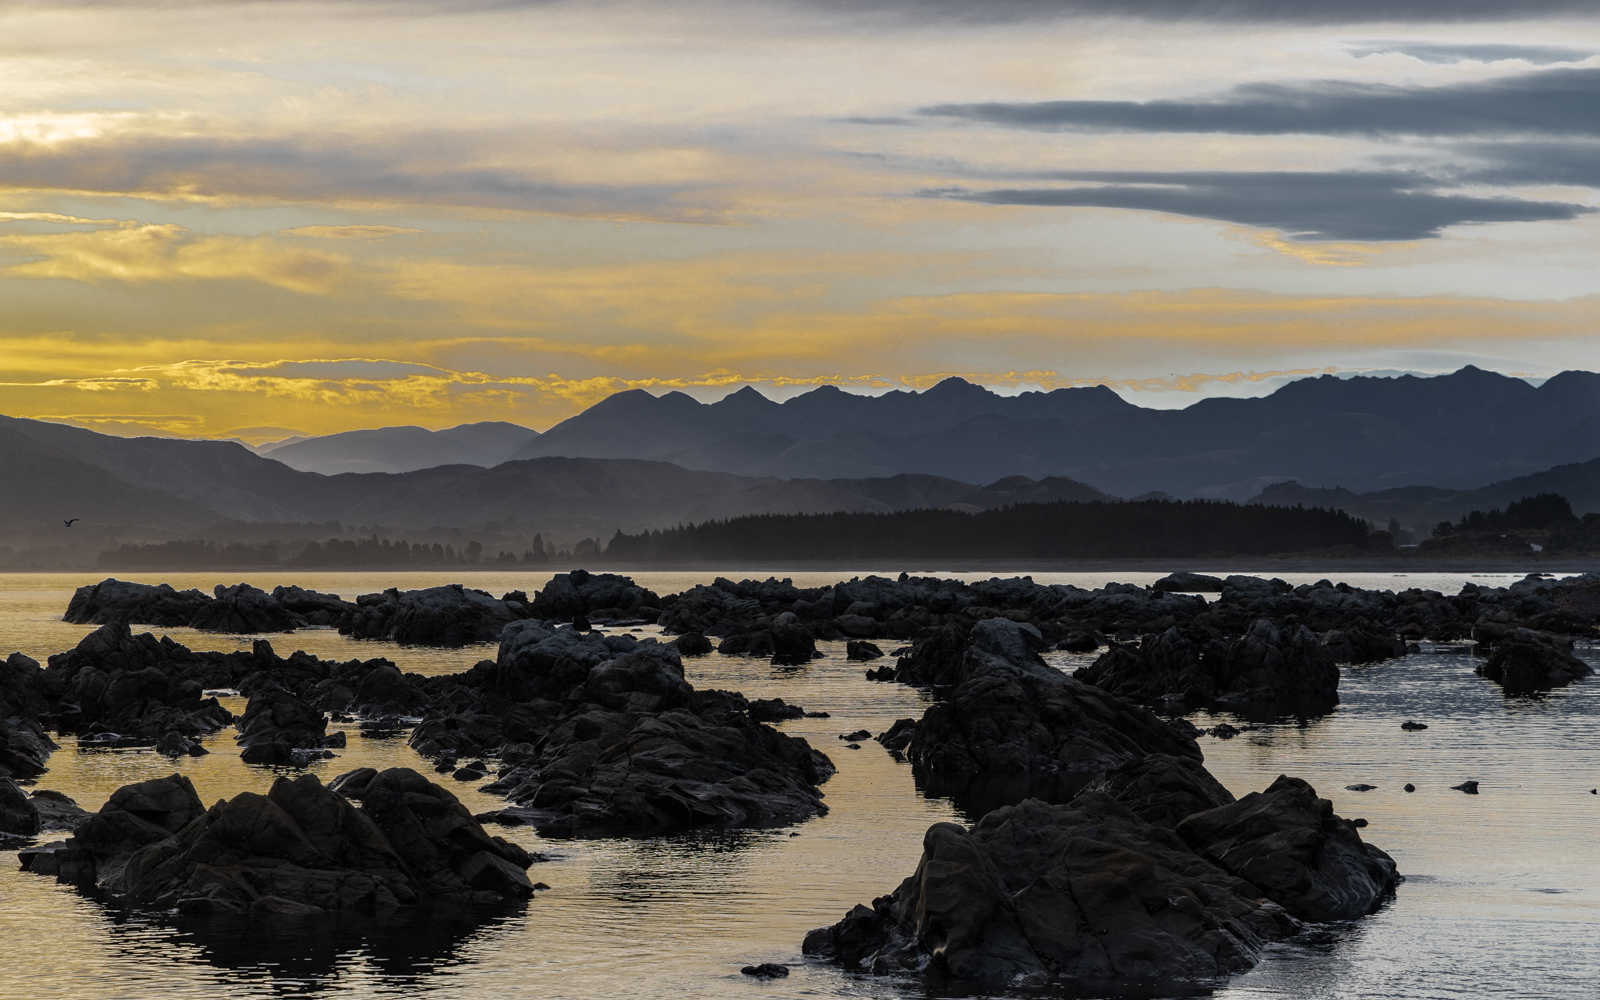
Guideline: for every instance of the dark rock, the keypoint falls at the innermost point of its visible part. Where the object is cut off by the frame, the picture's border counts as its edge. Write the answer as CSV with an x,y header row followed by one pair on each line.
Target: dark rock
x,y
1525,661
859,734
1163,789
57,812
774,710
819,715
116,601
243,609
19,816
852,746
766,970
114,681
1289,843
386,691
1189,583
449,616
275,716
1268,669
176,744
578,593
1413,726
1470,787
1223,731
1011,714
860,649
300,848
1079,642
1086,890
692,644
24,748
1359,788
898,736
1362,642
1410,787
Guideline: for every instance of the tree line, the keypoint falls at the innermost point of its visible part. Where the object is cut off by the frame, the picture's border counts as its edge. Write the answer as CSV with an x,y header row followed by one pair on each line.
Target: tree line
x,y
331,554
1061,530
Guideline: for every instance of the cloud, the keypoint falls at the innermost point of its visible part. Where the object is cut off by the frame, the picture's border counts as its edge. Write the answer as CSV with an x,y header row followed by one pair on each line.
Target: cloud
x,y
1447,54
1564,102
350,232
1223,11
1310,205
436,169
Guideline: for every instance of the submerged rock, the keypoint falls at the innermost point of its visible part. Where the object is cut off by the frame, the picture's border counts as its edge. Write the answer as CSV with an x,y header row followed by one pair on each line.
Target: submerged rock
x,y
300,848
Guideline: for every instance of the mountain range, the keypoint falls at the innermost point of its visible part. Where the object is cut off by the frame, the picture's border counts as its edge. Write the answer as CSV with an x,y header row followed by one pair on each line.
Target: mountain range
x,y
1457,431
401,449
1421,449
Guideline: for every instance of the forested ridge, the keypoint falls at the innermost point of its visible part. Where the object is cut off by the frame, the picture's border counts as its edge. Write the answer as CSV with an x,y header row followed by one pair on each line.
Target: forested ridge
x,y
1062,530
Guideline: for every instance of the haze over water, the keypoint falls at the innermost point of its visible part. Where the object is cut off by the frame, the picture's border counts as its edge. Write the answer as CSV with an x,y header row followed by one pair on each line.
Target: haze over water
x,y
1501,898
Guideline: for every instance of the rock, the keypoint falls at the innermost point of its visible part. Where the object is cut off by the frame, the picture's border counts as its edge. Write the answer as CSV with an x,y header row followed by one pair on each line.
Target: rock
x,y
24,748
580,593
1410,787
1163,789
1412,727
300,848
275,716
1470,787
1223,731
311,608
692,644
448,616
860,649
19,816
1359,788
175,744
1288,842
898,736
1079,642
1012,715
57,812
766,970
1189,583
242,609
1034,892
859,734
386,691
859,626
114,601
1267,670
773,710
1363,642
1525,661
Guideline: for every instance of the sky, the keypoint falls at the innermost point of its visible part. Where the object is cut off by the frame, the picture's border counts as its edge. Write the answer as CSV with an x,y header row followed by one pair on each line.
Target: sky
x,y
260,218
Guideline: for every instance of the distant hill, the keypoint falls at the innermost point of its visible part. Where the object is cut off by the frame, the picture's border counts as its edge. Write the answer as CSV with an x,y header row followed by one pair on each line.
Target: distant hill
x,y
1457,432
1419,508
401,449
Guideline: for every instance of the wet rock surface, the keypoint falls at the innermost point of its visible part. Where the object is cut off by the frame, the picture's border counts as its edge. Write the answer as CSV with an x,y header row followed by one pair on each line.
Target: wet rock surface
x,y
301,848
1526,662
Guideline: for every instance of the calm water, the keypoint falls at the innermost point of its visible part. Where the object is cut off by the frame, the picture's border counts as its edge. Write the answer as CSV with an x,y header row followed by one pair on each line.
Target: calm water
x,y
1502,897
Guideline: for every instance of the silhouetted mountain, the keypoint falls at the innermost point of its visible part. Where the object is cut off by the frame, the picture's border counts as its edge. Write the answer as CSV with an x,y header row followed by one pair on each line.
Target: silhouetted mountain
x,y
1456,431
402,449
1419,508
40,488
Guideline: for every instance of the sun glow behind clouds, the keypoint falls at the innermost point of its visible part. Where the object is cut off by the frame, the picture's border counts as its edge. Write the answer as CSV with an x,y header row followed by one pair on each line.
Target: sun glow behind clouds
x,y
701,195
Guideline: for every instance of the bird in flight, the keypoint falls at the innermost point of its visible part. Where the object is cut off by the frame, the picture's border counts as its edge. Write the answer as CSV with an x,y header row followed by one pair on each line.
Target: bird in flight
x,y
69,522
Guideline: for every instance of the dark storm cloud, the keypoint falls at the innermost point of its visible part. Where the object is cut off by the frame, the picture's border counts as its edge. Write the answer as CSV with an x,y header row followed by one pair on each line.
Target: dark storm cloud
x,y
1441,54
1553,102
1365,206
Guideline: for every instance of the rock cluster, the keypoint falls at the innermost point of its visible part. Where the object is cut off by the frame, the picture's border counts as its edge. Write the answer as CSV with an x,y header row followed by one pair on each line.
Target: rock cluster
x,y
301,848
1267,670
1524,662
598,597
1107,886
448,616
240,608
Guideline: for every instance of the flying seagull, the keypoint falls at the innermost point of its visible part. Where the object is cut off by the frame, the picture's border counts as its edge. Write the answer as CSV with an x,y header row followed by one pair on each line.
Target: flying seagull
x,y
69,523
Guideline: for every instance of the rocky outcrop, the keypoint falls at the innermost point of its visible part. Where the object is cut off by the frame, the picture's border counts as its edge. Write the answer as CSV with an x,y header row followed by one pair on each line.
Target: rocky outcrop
x,y
1036,892
1105,887
1267,670
139,686
19,817
1363,642
1526,662
240,608
279,729
1010,714
1288,843
1184,582
1163,789
301,848
595,596
24,748
784,641
448,616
